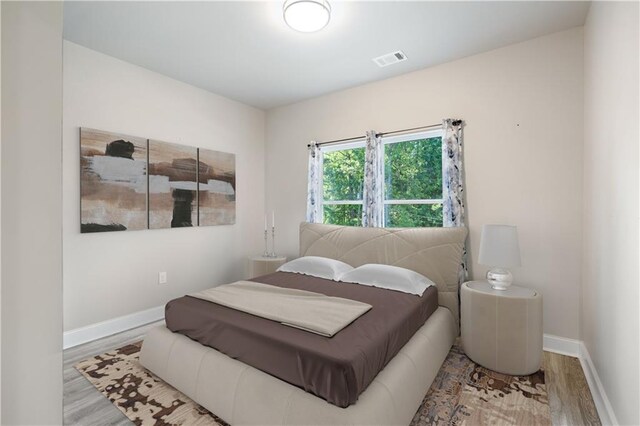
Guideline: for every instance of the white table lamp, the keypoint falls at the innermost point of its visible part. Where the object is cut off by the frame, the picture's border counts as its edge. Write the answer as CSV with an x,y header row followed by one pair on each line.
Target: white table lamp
x,y
499,249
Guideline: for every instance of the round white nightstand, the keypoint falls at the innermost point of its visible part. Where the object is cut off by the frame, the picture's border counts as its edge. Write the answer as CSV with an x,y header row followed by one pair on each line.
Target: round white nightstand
x,y
259,265
502,329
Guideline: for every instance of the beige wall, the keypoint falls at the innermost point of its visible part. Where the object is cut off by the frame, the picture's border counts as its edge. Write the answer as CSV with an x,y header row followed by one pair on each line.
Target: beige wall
x,y
108,275
523,152
31,213
610,249
0,214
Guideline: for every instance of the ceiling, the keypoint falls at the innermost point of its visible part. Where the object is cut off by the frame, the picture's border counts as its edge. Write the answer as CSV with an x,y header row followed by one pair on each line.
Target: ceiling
x,y
245,51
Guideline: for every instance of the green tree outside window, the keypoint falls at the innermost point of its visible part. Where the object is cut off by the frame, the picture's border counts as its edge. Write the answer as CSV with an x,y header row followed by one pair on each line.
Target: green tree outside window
x,y
413,171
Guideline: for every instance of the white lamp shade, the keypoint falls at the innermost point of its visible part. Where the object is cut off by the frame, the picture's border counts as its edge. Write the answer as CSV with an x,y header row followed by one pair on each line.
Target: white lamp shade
x,y
499,246
307,16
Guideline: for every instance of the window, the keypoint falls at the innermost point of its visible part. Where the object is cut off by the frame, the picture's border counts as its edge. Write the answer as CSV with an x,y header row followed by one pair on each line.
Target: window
x,y
412,181
342,184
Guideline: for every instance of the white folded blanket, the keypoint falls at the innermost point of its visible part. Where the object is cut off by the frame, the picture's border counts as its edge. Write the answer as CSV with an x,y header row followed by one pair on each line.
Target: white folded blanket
x,y
314,312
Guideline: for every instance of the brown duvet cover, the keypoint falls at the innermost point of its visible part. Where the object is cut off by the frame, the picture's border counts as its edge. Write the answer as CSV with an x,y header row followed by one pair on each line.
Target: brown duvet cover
x,y
337,369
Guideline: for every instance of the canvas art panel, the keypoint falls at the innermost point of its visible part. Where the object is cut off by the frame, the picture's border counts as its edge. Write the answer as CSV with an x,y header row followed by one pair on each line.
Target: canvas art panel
x,y
113,182
172,185
217,188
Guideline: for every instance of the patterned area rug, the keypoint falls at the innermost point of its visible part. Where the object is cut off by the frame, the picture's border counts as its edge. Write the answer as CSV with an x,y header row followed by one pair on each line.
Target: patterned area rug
x,y
463,393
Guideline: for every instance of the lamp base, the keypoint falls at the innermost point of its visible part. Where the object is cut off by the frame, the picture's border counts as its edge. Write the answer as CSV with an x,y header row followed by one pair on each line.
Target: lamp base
x,y
499,278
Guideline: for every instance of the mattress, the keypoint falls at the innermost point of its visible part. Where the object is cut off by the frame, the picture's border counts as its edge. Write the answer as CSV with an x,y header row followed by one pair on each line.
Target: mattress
x,y
337,369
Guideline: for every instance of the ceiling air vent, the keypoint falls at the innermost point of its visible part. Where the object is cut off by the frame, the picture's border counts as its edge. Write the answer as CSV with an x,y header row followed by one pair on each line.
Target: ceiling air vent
x,y
390,58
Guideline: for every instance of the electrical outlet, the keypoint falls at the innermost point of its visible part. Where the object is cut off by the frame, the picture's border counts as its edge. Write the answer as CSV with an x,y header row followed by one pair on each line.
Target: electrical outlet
x,y
162,277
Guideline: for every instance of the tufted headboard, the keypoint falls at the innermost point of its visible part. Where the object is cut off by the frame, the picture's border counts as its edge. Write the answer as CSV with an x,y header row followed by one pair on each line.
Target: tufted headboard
x,y
433,252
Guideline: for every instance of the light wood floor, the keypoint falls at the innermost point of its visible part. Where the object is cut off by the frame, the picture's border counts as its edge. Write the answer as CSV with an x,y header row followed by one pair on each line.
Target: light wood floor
x,y
570,400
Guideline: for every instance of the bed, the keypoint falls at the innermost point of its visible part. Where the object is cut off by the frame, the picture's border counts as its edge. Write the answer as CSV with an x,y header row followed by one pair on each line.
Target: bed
x,y
241,394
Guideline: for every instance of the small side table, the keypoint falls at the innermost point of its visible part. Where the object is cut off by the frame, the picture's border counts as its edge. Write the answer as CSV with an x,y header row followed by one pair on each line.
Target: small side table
x,y
259,265
502,329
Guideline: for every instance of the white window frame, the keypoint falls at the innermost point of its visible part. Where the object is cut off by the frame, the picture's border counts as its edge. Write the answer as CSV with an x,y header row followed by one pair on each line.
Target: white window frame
x,y
408,137
333,148
386,140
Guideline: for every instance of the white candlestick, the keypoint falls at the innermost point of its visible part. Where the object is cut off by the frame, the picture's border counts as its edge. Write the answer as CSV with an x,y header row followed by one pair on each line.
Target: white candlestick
x,y
273,219
265,223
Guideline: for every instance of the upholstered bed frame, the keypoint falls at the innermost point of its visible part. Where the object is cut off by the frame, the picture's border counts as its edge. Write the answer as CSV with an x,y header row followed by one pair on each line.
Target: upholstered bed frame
x,y
433,252
241,394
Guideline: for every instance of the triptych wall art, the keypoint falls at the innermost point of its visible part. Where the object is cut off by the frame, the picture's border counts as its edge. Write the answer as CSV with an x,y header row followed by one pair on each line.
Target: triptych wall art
x,y
129,183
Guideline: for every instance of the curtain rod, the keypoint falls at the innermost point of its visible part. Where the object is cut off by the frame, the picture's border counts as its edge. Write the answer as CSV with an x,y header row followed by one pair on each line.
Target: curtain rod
x,y
409,130
355,138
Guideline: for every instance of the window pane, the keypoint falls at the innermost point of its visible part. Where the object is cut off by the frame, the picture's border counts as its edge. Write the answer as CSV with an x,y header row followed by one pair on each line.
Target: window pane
x,y
343,174
413,169
412,215
343,214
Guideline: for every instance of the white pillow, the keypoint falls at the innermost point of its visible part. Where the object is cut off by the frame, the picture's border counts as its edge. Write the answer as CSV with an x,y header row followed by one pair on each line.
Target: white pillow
x,y
389,277
316,266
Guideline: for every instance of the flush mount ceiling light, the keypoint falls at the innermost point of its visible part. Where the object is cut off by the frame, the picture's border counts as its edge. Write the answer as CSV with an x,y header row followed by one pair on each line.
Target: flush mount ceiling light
x,y
307,16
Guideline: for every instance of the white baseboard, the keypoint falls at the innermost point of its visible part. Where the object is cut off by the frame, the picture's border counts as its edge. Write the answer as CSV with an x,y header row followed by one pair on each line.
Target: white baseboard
x,y
92,332
605,410
561,345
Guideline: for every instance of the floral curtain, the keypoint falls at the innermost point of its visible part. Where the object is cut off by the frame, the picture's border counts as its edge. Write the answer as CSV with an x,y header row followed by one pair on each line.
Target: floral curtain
x,y
373,192
453,181
314,205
